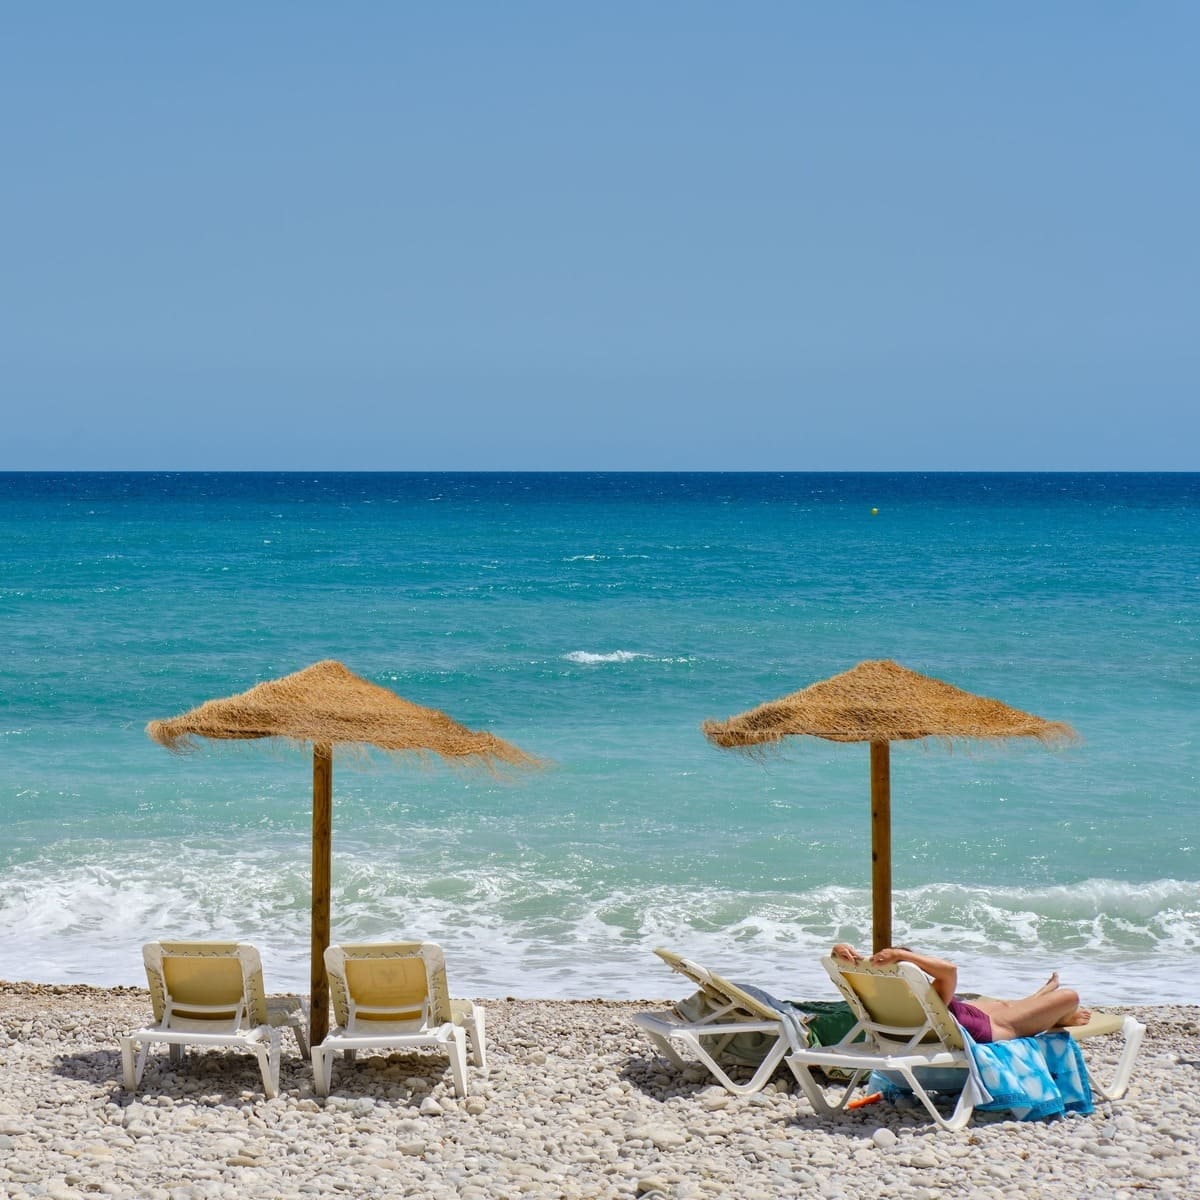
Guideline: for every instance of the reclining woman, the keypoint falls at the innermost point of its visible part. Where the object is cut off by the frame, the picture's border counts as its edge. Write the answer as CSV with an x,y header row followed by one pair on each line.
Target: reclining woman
x,y
1051,1006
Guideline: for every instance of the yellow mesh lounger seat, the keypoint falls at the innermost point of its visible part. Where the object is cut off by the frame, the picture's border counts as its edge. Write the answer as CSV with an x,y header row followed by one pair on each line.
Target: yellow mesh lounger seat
x,y
726,1011
392,996
211,994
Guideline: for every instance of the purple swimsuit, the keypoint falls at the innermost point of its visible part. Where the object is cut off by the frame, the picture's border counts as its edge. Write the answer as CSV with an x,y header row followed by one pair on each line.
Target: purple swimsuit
x,y
974,1020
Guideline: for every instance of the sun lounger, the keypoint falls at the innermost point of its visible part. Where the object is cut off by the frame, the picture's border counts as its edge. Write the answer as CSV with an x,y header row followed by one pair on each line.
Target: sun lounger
x,y
905,1030
211,994
725,1011
392,996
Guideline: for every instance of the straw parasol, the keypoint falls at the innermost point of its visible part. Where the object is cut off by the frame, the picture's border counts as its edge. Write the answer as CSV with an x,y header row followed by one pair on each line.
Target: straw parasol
x,y
327,704
881,702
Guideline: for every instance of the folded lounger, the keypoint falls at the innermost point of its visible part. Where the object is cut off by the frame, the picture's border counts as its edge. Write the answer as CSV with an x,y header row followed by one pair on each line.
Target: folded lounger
x,y
905,1028
391,996
727,1010
211,994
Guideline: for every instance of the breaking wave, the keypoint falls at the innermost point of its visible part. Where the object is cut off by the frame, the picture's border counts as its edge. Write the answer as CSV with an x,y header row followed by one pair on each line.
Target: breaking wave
x,y
510,930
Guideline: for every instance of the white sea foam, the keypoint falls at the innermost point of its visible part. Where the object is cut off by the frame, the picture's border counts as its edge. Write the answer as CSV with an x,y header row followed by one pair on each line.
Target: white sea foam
x,y
604,557
615,656
588,658
511,932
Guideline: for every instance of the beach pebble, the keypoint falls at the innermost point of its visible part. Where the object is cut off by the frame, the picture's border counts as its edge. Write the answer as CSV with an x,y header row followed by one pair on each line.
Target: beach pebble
x,y
666,1139
714,1099
884,1138
651,1184
60,1191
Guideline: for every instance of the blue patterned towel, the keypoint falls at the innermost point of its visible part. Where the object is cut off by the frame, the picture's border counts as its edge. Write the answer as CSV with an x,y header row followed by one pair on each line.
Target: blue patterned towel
x,y
1033,1077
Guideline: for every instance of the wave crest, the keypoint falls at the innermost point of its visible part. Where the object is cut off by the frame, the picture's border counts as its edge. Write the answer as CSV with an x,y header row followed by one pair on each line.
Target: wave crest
x,y
589,658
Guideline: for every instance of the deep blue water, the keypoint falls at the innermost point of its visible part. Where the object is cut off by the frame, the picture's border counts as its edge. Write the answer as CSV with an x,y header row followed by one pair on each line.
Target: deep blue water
x,y
595,620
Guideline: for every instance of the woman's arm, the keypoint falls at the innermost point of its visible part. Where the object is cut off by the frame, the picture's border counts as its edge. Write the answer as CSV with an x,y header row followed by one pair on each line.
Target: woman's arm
x,y
944,974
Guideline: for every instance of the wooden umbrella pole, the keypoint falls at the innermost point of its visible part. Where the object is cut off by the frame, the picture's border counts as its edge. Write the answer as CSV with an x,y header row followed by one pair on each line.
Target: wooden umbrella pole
x,y
318,1020
881,846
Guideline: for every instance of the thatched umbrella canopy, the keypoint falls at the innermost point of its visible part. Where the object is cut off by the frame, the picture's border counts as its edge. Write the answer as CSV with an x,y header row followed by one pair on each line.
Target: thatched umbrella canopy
x,y
326,704
880,702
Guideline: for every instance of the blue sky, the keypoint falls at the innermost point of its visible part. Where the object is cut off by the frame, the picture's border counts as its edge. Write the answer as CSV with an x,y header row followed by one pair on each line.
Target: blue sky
x,y
624,236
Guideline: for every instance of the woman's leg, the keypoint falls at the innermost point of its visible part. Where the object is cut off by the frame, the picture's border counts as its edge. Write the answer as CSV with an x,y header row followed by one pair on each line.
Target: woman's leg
x,y
1033,1014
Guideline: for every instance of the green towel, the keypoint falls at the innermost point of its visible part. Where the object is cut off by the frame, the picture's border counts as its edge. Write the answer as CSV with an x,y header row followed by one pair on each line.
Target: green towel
x,y
829,1020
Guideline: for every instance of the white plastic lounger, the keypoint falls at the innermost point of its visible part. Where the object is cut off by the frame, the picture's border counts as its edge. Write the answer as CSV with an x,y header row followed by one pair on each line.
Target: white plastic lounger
x,y
728,1011
392,996
211,994
904,1027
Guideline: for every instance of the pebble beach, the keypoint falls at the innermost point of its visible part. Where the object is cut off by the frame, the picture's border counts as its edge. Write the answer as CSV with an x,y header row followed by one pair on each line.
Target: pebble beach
x,y
575,1105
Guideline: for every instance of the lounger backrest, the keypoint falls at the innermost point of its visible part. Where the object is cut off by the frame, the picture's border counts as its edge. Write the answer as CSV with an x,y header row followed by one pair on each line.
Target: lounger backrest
x,y
398,981
895,1002
205,981
717,988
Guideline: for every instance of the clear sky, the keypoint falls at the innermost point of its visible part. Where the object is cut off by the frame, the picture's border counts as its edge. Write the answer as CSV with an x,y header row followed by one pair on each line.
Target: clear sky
x,y
790,236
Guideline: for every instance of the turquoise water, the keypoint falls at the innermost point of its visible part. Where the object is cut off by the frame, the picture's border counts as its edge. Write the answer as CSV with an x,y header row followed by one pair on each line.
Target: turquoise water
x,y
595,620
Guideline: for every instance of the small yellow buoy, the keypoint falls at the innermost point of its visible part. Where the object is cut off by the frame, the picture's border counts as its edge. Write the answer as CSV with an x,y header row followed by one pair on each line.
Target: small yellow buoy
x,y
874,512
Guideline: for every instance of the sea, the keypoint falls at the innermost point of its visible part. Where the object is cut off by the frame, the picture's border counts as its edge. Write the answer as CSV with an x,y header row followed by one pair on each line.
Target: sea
x,y
595,620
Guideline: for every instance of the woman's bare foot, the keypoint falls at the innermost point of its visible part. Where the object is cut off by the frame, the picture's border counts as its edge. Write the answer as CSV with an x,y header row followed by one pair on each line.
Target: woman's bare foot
x,y
1081,1016
1050,985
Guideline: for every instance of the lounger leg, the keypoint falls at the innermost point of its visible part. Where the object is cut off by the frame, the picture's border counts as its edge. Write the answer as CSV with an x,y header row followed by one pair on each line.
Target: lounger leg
x,y
264,1055
322,1062
815,1093
475,1029
457,1046
301,1036
132,1074
1133,1031
962,1110
767,1068
175,1053
273,1062
756,1084
664,1047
